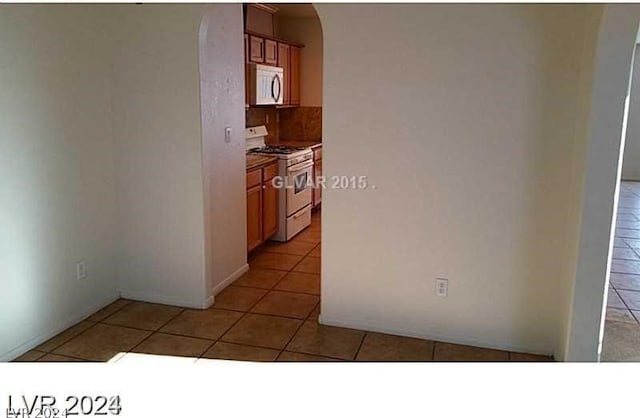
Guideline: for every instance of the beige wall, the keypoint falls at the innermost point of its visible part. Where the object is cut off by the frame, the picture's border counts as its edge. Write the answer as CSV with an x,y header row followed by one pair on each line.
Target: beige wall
x,y
57,170
307,31
631,162
222,98
464,117
159,154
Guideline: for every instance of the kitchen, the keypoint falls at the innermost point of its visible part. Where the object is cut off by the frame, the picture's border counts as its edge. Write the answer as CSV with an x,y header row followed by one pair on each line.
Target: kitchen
x,y
284,133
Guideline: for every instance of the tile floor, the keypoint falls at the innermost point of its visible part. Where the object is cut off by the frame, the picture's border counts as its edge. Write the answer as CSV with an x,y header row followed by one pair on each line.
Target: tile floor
x,y
622,326
269,314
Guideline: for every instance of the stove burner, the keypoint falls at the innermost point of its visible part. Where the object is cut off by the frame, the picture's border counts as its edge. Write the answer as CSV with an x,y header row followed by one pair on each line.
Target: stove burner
x,y
276,149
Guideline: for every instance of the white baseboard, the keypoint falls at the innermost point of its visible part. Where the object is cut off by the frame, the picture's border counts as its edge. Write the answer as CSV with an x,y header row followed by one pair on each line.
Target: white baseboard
x,y
232,278
165,300
374,326
68,323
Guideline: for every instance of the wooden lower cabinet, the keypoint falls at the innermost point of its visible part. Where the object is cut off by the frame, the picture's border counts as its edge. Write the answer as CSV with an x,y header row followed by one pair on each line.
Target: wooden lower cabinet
x,y
254,217
262,205
269,210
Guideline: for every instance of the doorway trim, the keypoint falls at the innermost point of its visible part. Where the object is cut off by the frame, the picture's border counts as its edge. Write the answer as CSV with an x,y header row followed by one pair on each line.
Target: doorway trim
x,y
612,66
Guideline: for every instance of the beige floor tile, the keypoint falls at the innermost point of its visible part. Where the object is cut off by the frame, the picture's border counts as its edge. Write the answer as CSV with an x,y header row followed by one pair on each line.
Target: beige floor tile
x,y
238,298
625,266
209,323
109,310
262,331
263,279
102,342
310,236
620,342
291,247
142,315
298,357
30,356
455,352
523,357
626,217
383,347
173,345
228,351
275,261
292,305
301,283
64,336
614,301
617,314
625,281
632,243
631,298
309,265
619,243
316,252
627,233
55,358
327,341
624,254
628,224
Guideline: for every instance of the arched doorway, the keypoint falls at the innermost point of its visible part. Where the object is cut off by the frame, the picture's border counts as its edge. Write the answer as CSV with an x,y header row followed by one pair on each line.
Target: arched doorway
x,y
614,52
223,111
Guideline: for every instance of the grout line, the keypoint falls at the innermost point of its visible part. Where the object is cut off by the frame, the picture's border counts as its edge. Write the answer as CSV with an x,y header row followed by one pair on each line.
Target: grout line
x,y
156,331
364,335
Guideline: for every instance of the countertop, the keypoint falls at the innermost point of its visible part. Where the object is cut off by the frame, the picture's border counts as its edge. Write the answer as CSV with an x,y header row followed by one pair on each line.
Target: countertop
x,y
255,161
310,144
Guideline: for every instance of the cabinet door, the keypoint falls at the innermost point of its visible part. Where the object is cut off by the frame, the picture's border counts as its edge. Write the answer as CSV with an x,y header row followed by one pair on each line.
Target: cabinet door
x,y
317,192
246,48
283,61
246,70
269,210
294,83
254,217
270,52
256,49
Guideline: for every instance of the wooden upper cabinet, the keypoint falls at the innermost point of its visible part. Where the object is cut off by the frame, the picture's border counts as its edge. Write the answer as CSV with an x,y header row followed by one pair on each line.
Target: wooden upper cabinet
x,y
270,52
294,79
283,61
256,49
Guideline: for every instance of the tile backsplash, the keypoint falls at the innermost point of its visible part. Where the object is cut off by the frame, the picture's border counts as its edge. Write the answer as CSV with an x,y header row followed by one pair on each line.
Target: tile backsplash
x,y
291,124
300,124
267,116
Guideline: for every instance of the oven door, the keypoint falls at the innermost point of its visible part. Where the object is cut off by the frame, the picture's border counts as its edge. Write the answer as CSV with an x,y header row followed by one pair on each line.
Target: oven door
x,y
299,186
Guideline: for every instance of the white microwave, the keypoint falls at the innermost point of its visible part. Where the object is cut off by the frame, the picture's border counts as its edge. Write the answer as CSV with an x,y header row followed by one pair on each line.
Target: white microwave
x,y
266,85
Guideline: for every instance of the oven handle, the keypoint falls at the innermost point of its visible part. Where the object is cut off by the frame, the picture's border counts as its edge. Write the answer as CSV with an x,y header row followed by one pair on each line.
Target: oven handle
x,y
300,166
300,213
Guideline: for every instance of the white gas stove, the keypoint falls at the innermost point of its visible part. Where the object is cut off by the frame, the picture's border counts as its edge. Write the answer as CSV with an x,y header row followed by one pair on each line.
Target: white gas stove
x,y
294,181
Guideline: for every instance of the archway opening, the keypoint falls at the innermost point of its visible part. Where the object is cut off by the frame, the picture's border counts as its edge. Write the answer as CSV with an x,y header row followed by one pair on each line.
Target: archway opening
x,y
247,252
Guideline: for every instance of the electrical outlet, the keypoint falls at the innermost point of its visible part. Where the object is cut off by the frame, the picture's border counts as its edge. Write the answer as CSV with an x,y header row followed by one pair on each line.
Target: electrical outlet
x,y
442,287
81,270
